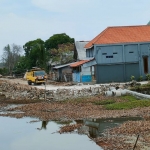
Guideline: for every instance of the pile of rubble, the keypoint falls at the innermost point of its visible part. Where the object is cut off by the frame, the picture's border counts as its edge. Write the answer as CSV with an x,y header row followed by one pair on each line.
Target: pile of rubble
x,y
20,91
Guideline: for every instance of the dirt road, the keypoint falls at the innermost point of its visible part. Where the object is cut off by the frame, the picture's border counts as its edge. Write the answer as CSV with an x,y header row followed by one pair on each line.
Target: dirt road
x,y
52,85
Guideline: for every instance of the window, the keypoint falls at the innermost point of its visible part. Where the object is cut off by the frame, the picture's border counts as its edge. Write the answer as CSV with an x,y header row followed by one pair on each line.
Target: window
x,y
109,56
115,53
145,63
104,53
131,52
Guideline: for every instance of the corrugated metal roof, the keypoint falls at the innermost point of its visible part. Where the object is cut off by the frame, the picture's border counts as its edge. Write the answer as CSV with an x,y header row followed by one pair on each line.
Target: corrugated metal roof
x,y
90,63
122,34
80,49
79,63
61,66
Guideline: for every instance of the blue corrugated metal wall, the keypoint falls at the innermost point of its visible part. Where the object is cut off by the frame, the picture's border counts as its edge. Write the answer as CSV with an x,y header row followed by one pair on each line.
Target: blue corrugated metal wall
x,y
117,63
86,78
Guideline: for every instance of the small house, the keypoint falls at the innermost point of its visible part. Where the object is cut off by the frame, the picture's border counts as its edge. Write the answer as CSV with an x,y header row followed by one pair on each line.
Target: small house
x,y
62,73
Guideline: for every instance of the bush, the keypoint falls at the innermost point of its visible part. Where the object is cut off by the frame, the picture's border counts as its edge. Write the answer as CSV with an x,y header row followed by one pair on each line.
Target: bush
x,y
141,78
132,78
148,77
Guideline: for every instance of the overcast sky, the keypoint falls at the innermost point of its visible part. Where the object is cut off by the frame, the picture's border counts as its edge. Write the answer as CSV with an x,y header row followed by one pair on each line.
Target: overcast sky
x,y
25,20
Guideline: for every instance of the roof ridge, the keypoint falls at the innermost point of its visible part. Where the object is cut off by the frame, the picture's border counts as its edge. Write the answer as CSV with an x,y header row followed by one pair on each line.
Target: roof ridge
x,y
126,26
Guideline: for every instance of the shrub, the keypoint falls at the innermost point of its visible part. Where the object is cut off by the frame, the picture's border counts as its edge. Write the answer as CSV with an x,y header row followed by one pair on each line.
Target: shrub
x,y
132,78
140,78
148,77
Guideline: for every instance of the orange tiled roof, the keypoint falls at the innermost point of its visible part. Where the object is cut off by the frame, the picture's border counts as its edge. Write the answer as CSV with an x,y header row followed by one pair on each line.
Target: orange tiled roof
x,y
76,64
122,34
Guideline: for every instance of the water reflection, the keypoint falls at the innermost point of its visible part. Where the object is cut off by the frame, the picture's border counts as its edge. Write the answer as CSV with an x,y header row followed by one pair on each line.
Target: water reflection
x,y
43,126
96,127
20,134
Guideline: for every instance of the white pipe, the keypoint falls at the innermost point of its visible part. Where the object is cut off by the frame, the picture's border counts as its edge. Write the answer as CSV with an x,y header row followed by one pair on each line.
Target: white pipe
x,y
138,94
116,92
108,93
123,92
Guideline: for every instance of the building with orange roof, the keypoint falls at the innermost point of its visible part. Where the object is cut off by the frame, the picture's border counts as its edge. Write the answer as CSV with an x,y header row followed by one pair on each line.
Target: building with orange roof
x,y
121,52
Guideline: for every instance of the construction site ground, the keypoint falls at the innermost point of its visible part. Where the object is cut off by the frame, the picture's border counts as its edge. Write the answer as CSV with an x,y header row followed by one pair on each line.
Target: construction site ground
x,y
122,137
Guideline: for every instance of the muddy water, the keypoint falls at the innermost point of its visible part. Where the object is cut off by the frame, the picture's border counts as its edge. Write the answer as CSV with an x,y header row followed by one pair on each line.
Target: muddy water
x,y
21,134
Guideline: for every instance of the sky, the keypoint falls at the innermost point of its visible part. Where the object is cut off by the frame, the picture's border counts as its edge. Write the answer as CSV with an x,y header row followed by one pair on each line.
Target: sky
x,y
22,21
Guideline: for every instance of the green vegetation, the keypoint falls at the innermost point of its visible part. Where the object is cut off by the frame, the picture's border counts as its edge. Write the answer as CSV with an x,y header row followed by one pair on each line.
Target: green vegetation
x,y
128,105
115,103
128,102
141,87
54,41
148,77
3,71
129,98
104,102
132,78
123,102
141,78
35,54
38,53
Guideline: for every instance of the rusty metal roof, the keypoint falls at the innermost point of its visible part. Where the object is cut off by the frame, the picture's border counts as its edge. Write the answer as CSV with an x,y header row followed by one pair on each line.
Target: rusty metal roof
x,y
79,63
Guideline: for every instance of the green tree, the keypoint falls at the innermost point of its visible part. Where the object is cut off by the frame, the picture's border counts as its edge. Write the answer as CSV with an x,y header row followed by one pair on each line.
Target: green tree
x,y
20,67
4,71
57,39
35,54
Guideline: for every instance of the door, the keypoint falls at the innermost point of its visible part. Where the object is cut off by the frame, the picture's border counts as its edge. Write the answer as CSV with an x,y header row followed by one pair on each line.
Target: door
x,y
145,54
76,77
145,64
